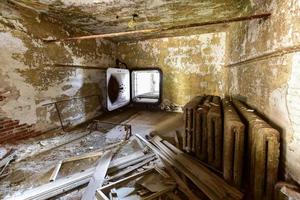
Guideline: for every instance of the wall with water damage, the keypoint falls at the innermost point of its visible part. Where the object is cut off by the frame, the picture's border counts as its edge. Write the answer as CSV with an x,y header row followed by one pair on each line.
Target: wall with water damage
x,y
192,65
28,79
271,85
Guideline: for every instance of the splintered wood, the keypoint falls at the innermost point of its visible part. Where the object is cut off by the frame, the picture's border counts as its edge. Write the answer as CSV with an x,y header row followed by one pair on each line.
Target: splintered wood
x,y
98,176
214,187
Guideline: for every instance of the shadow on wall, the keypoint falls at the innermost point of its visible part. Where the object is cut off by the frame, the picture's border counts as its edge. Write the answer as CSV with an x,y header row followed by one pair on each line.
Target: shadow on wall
x,y
85,105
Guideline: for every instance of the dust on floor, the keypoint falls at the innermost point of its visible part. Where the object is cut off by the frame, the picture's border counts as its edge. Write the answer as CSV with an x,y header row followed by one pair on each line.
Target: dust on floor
x,y
37,157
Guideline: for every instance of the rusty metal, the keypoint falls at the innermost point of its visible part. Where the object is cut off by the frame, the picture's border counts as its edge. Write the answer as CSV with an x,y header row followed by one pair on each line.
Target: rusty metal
x,y
64,100
74,98
234,145
263,154
160,30
215,133
201,129
78,66
190,110
59,117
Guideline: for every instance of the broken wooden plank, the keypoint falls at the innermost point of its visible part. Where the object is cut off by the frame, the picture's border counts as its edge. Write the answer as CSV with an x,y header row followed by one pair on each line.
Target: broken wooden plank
x,y
98,176
154,182
131,169
182,186
131,157
59,186
84,156
210,184
8,159
100,192
127,163
55,171
211,179
173,196
158,194
171,162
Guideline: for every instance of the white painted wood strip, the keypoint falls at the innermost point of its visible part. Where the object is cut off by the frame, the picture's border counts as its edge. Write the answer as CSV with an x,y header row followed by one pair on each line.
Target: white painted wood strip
x,y
98,177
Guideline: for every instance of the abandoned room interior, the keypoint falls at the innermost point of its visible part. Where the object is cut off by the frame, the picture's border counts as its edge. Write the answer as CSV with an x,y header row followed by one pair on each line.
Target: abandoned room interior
x,y
150,99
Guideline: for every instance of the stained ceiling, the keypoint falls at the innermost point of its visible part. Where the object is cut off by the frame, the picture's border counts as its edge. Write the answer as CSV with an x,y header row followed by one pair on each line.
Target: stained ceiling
x,y
86,17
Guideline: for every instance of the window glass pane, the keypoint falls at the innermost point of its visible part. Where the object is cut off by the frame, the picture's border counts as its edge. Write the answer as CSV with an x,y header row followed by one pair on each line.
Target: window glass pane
x,y
145,86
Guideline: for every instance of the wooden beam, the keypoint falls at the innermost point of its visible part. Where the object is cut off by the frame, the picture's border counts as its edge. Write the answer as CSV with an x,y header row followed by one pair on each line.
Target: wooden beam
x,y
98,176
158,30
268,55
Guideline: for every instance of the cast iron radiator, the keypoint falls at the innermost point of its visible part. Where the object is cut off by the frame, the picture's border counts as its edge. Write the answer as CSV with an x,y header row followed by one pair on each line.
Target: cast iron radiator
x,y
215,134
263,153
190,123
201,129
233,144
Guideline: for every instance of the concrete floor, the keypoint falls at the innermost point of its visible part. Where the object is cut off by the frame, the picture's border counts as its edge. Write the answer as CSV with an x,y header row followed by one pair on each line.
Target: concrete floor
x,y
37,157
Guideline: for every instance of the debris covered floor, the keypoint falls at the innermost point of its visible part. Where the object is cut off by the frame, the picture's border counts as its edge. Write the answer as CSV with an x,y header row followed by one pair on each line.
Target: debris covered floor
x,y
159,99
36,158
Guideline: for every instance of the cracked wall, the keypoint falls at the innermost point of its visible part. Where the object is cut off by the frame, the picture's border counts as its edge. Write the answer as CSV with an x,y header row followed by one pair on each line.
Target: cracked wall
x,y
271,85
28,79
192,65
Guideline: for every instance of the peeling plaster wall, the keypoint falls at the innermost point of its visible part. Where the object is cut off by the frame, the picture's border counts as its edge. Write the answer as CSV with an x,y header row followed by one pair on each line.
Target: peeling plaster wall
x,y
271,85
28,80
103,16
192,65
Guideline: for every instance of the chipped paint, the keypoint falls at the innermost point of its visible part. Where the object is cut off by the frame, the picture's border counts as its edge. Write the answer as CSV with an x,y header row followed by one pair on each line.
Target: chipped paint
x,y
270,85
107,16
188,62
29,80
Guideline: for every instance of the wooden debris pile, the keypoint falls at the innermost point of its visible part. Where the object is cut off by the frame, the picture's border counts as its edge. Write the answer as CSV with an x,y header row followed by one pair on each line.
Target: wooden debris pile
x,y
138,175
6,160
212,186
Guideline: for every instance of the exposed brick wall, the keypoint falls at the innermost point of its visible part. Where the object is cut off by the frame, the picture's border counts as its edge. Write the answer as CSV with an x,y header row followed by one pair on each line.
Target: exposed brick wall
x,y
11,130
